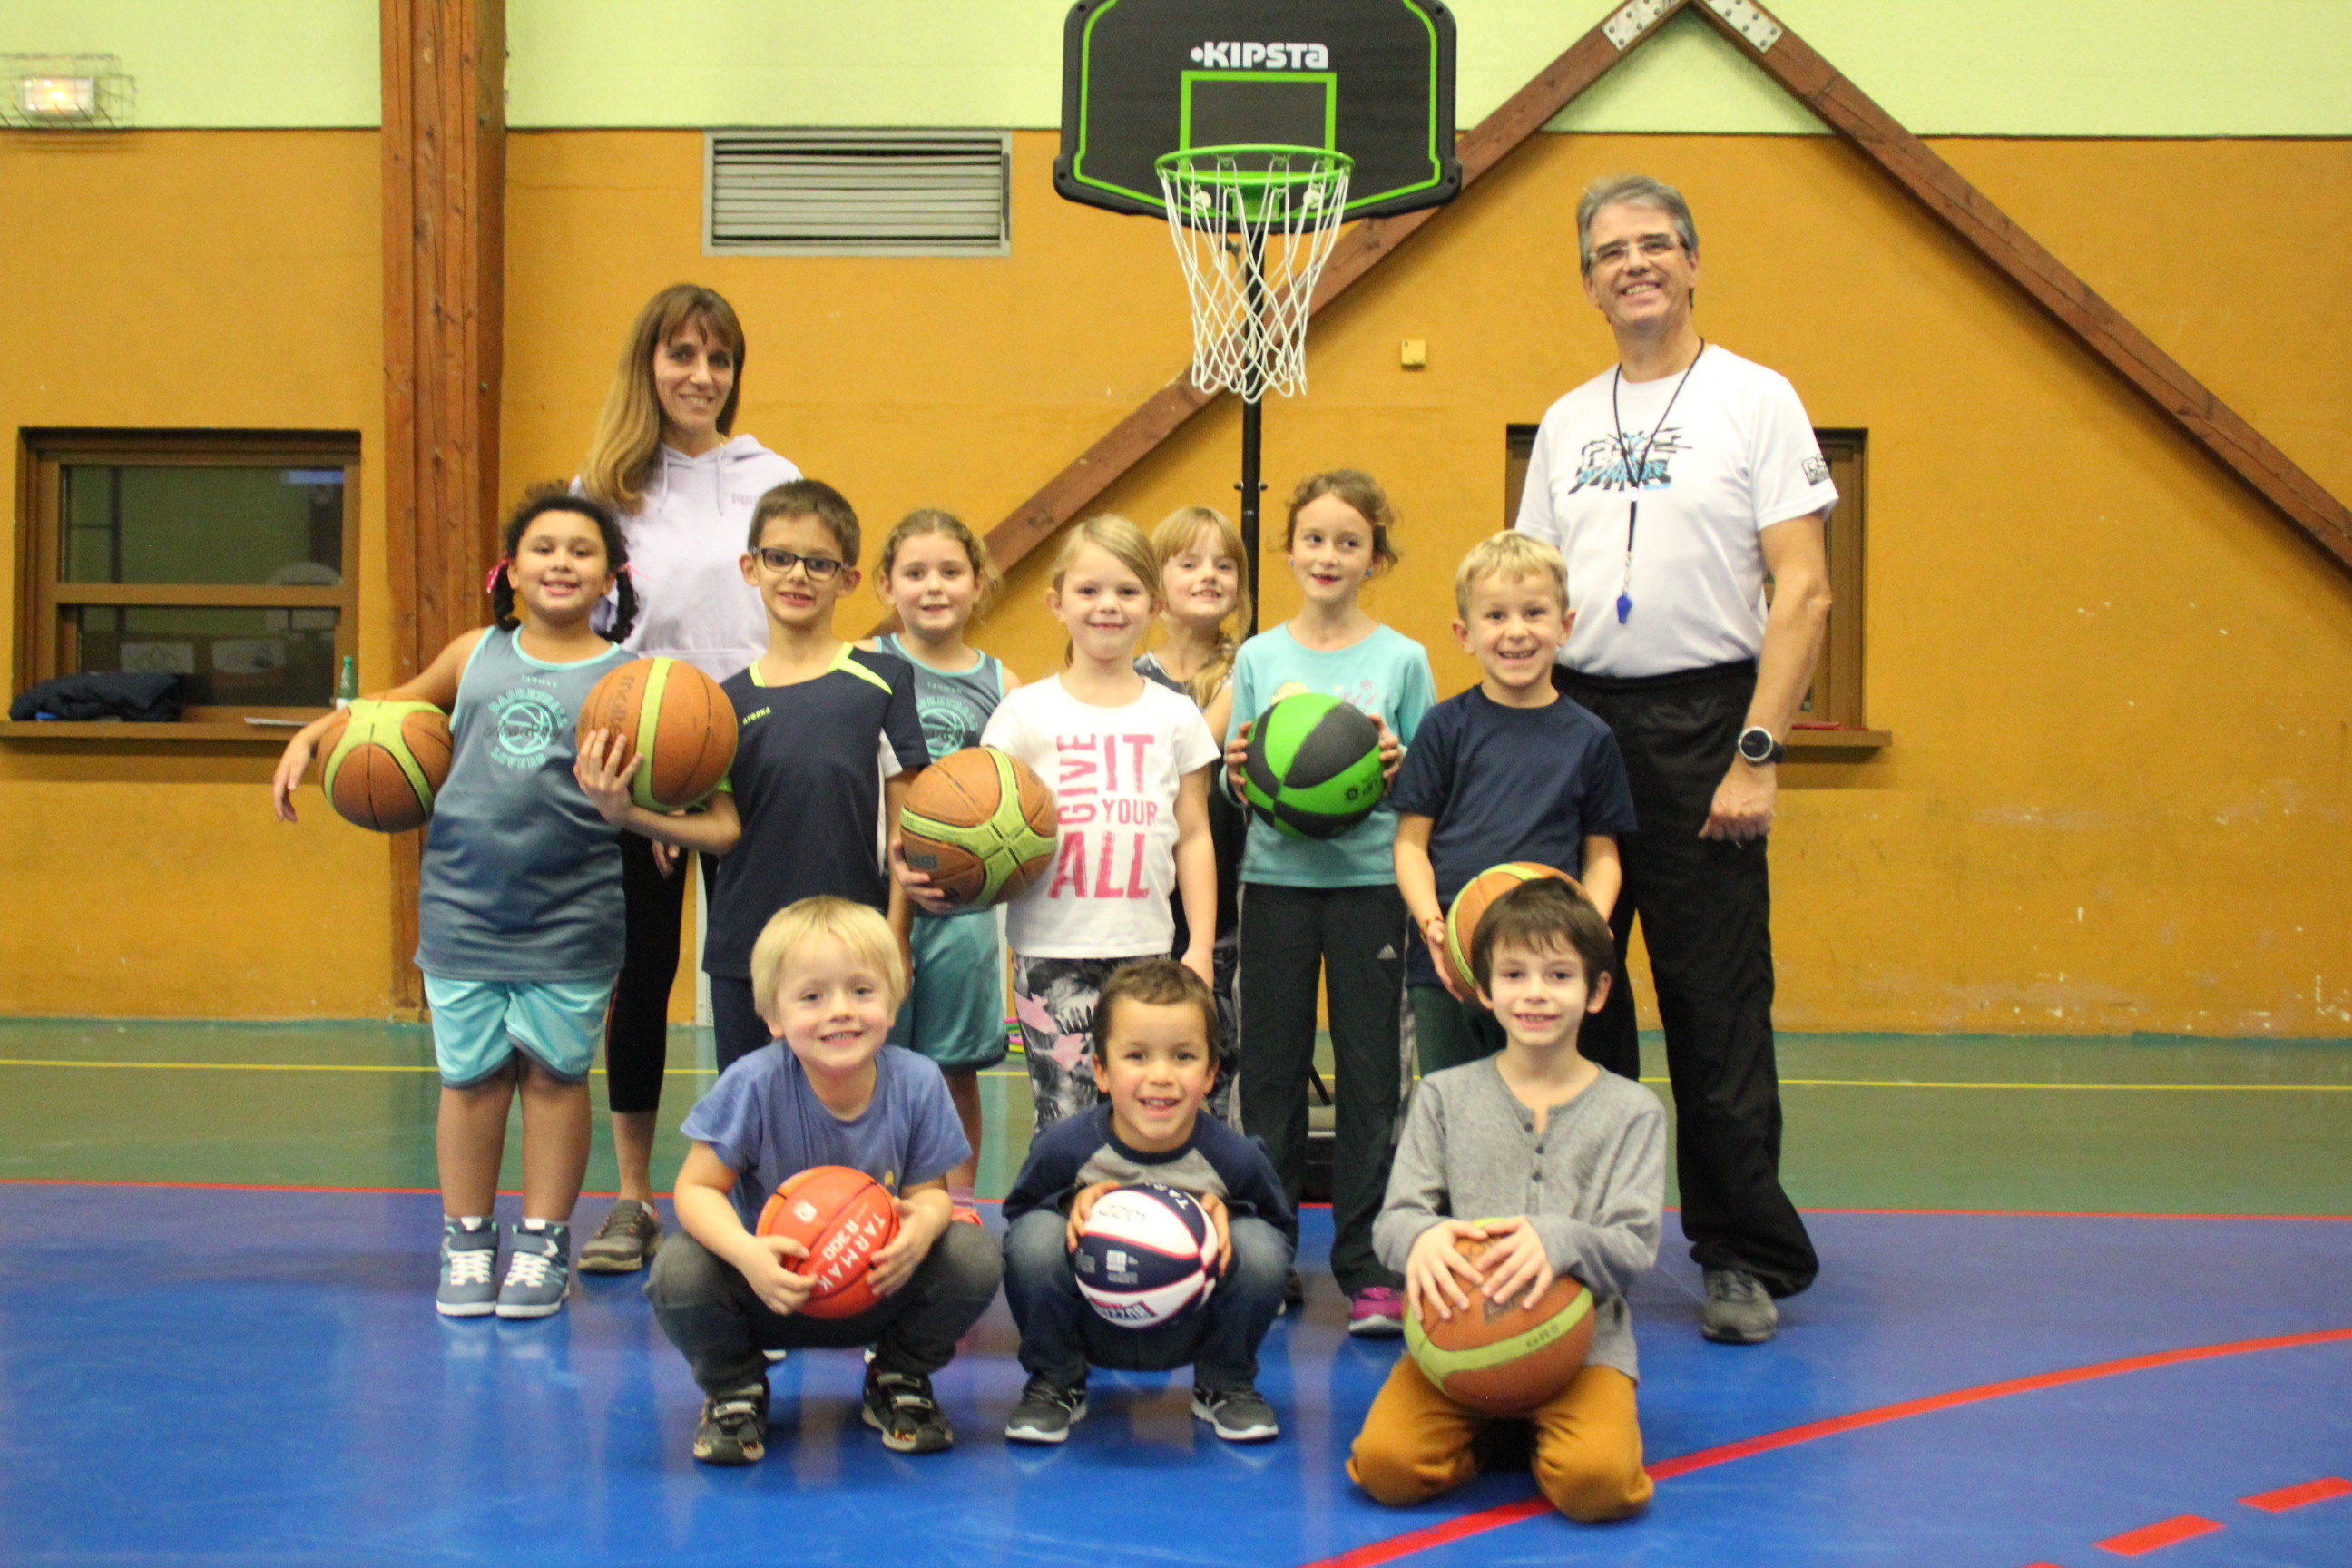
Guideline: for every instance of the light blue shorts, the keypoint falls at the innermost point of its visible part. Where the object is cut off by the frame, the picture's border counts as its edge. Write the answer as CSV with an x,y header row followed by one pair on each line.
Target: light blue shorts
x,y
955,1014
479,1023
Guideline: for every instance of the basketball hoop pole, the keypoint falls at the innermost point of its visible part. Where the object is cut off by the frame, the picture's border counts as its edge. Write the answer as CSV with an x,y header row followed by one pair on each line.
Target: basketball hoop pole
x,y
1252,432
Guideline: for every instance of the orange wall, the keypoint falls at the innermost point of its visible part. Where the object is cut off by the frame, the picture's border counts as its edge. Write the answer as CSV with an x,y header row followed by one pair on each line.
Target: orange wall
x,y
191,279
2120,690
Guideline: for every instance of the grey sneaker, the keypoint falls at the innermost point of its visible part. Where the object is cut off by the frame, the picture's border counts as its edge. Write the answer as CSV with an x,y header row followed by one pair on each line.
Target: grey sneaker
x,y
626,1242
1237,1414
469,1264
899,1405
1739,1311
1047,1412
734,1427
539,1272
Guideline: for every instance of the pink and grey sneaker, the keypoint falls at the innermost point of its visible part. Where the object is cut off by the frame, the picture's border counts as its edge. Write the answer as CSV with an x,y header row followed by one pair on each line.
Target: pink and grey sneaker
x,y
1376,1312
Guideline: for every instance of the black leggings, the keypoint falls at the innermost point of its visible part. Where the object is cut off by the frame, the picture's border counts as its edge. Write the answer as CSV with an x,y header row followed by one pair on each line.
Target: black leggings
x,y
637,1033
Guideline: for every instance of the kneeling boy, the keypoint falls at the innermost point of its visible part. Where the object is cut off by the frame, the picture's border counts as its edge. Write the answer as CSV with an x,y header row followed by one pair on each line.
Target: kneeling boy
x,y
1575,1157
1155,1030
827,976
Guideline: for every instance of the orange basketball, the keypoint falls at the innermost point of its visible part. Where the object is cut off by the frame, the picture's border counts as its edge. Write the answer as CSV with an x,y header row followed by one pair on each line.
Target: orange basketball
x,y
674,716
1470,905
1501,1358
382,763
981,823
840,1215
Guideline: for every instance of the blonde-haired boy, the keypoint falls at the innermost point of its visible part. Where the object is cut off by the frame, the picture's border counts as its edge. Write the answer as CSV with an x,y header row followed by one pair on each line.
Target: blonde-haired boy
x,y
1509,770
827,976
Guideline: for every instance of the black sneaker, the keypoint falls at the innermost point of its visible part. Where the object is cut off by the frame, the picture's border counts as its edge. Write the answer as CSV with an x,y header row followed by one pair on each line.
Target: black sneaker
x,y
899,1405
1047,1412
1237,1414
1293,1289
1739,1311
734,1427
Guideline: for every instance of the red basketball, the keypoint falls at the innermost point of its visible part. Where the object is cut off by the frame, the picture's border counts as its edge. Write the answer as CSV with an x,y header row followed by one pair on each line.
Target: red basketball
x,y
382,763
673,715
1500,1358
840,1215
981,823
1470,905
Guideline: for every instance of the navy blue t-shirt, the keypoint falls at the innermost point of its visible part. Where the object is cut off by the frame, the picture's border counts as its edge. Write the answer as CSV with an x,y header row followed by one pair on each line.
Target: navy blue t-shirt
x,y
1080,1151
807,782
1509,783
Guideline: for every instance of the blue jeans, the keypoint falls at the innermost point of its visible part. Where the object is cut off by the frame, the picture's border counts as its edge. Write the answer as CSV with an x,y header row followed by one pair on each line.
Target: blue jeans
x,y
1061,1334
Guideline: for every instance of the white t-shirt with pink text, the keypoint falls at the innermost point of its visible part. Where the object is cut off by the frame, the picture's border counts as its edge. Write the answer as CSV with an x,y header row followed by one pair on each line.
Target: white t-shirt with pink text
x,y
1114,774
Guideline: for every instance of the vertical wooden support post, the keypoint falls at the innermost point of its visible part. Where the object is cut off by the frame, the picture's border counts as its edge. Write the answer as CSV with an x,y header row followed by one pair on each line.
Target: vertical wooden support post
x,y
444,321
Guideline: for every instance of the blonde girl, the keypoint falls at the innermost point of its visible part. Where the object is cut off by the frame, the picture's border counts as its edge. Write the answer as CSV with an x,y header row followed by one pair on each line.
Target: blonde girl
x,y
1128,762
1328,910
518,894
1206,581
935,574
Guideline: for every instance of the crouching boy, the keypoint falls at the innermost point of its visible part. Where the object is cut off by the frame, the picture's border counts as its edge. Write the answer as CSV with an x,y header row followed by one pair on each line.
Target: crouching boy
x,y
828,977
1155,1059
1573,1158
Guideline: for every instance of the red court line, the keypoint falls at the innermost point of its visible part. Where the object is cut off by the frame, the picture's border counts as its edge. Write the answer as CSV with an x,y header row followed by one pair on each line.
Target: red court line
x,y
2163,1532
2286,1497
1812,1431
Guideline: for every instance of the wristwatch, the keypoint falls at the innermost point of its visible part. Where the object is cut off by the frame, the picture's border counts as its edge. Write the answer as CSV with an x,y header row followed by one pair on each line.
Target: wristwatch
x,y
1759,749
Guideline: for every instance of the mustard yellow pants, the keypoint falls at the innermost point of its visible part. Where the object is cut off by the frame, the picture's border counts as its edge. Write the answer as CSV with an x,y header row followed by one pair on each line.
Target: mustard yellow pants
x,y
1417,1443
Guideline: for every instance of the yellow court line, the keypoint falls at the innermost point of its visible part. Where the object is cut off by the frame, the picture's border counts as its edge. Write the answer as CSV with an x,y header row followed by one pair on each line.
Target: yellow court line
x,y
999,1072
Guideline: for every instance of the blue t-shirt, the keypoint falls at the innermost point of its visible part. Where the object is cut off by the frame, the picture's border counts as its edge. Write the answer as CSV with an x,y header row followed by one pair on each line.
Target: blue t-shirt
x,y
807,780
1080,1151
1509,783
1386,674
764,1121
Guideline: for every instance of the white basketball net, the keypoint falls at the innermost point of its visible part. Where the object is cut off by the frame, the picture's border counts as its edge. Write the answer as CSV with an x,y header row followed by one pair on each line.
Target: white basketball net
x,y
1253,227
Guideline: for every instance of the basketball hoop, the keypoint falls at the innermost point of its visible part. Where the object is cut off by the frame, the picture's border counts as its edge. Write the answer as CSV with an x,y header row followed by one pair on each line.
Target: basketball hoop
x,y
1253,227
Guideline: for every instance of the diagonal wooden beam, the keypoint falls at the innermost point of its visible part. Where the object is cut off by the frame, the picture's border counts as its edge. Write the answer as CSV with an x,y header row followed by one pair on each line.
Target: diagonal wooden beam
x,y
1363,247
2301,499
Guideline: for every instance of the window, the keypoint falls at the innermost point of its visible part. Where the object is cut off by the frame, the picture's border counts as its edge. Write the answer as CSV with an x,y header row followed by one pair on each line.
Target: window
x,y
223,557
861,193
1832,716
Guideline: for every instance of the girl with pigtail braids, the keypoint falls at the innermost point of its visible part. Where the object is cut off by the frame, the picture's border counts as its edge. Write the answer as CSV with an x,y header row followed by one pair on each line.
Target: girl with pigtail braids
x,y
519,910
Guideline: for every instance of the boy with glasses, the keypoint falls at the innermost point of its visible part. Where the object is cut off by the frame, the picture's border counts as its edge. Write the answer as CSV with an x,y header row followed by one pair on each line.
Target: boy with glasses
x,y
827,735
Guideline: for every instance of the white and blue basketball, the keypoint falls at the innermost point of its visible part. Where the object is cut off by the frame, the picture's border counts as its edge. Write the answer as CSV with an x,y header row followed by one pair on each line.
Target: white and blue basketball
x,y
1147,1255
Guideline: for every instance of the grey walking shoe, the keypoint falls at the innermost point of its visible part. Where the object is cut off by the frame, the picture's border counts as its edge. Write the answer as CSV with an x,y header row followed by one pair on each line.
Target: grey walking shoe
x,y
1047,1412
469,1265
626,1242
734,1427
1237,1414
1739,1311
539,1272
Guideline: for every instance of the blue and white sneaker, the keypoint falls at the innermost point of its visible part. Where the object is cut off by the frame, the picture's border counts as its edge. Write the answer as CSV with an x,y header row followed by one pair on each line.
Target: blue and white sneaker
x,y
469,1262
538,1271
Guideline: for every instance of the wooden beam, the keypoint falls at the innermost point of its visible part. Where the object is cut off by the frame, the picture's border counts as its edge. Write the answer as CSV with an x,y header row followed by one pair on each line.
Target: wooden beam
x,y
2301,499
443,308
1360,249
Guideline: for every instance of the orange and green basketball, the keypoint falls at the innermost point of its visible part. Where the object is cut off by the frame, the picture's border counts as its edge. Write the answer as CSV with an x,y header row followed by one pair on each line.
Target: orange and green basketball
x,y
1471,904
1501,1358
675,717
381,764
981,823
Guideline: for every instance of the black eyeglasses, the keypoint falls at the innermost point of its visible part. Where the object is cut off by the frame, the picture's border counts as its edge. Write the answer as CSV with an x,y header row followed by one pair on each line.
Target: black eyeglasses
x,y
1651,246
818,567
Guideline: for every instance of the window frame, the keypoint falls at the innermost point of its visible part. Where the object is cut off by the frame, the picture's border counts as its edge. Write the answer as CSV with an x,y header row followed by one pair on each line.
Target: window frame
x,y
45,604
1837,718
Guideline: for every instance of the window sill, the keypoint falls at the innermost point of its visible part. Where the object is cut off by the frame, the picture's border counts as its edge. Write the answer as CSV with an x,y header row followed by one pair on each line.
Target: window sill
x,y
1823,745
79,732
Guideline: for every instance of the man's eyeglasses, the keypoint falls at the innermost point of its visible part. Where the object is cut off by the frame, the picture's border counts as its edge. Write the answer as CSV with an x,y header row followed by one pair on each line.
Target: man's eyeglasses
x,y
818,567
1651,246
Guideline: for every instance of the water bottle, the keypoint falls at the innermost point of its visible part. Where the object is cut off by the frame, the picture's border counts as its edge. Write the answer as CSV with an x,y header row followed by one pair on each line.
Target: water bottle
x,y
347,681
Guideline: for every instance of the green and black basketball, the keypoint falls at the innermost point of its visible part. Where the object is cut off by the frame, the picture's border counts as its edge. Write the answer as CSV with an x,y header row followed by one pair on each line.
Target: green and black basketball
x,y
1314,767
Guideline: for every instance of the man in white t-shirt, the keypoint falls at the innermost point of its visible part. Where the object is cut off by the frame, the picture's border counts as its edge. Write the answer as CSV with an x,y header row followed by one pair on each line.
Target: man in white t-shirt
x,y
1674,484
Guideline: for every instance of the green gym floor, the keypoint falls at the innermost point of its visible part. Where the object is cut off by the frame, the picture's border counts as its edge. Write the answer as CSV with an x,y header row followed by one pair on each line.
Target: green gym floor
x,y
2169,1125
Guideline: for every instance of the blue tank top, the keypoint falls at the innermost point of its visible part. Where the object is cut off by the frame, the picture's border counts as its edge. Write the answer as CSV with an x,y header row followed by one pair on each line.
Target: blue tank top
x,y
521,876
954,707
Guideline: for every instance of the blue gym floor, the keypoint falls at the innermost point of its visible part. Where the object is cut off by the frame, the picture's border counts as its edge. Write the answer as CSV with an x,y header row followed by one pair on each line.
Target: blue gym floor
x,y
195,1374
